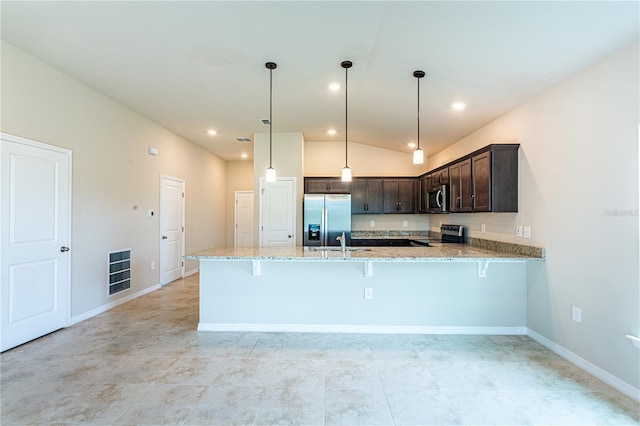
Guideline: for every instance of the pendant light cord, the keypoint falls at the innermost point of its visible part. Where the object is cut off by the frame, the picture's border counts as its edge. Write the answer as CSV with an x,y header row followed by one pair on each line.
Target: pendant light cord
x,y
418,74
418,113
270,113
346,116
346,65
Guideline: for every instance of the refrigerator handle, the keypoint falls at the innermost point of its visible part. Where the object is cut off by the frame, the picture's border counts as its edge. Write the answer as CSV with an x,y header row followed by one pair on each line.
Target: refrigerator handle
x,y
323,228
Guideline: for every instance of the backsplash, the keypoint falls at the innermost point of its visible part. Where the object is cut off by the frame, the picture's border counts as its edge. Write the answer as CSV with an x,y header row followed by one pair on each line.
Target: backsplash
x,y
389,222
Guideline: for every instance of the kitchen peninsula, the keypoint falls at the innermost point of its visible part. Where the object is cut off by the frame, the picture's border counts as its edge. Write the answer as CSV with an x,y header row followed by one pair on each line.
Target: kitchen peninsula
x,y
442,288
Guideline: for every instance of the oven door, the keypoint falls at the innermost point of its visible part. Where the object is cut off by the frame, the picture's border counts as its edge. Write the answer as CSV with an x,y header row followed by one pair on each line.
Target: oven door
x,y
437,200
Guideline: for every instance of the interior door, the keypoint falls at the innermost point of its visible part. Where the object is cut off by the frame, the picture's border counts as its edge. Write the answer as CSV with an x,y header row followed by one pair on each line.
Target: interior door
x,y
244,219
277,213
35,239
171,229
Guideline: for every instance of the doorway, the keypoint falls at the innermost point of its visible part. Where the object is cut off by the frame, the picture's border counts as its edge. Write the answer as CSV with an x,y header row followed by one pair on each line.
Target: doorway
x,y
244,219
171,229
35,234
278,213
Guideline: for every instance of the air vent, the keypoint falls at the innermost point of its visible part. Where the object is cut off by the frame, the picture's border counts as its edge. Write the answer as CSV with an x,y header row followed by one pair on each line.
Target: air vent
x,y
242,139
265,121
119,271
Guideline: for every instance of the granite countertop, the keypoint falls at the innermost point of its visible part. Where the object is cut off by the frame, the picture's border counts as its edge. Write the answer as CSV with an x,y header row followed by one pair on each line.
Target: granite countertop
x,y
436,252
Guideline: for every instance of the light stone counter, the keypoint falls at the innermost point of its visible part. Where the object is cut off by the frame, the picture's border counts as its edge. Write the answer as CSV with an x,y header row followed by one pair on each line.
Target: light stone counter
x,y
437,252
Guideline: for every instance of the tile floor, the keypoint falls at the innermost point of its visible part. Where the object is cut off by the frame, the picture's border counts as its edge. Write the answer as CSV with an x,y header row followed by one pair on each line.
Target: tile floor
x,y
144,363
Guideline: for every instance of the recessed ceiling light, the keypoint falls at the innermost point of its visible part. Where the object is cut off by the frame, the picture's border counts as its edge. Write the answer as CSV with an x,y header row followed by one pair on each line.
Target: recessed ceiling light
x,y
244,155
212,132
331,132
411,145
458,106
334,87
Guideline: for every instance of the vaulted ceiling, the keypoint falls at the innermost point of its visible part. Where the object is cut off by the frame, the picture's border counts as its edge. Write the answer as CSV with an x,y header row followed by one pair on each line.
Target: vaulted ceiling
x,y
196,66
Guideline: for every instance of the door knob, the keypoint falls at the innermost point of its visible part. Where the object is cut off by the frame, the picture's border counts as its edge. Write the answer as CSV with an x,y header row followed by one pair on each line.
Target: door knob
x,y
164,237
289,235
64,248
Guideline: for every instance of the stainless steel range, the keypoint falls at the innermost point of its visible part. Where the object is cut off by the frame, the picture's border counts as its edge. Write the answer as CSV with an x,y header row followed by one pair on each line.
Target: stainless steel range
x,y
452,233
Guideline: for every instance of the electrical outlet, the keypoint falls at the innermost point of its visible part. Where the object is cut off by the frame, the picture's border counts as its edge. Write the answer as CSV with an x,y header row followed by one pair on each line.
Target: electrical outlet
x,y
153,264
527,232
405,223
372,223
368,293
483,228
518,230
576,314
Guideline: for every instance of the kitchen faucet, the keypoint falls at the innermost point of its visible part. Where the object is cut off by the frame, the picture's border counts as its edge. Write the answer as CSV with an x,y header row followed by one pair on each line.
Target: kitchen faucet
x,y
343,241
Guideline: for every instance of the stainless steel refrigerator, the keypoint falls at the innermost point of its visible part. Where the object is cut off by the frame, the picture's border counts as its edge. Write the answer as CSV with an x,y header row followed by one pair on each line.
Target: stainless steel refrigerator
x,y
326,216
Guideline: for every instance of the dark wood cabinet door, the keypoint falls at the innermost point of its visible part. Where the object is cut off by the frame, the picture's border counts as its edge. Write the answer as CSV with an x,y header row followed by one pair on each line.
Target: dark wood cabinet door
x,y
390,190
406,195
375,196
460,186
454,187
315,185
366,196
443,177
423,188
358,196
481,166
466,189
326,186
337,186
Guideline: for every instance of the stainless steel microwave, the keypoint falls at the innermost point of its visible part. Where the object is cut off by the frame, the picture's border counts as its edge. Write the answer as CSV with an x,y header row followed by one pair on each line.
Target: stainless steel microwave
x,y
438,200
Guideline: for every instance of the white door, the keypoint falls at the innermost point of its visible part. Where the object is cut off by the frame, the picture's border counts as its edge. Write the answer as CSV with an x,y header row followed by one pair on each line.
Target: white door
x,y
171,229
35,233
278,213
244,219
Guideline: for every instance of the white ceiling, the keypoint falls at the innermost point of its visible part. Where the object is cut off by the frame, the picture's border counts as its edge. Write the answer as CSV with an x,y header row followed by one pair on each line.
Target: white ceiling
x,y
191,66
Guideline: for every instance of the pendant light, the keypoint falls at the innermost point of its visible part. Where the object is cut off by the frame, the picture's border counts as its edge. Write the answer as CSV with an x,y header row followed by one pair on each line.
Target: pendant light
x,y
271,172
346,171
418,154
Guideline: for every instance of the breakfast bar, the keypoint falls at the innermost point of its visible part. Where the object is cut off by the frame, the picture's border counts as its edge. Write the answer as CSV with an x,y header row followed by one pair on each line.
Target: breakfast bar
x,y
439,288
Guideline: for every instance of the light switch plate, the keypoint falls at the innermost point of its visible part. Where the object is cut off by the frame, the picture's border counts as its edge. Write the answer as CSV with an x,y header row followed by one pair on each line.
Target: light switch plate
x,y
518,230
372,223
405,224
527,232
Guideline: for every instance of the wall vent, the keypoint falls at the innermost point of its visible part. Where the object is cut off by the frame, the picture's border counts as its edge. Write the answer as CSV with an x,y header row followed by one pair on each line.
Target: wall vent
x,y
242,139
119,271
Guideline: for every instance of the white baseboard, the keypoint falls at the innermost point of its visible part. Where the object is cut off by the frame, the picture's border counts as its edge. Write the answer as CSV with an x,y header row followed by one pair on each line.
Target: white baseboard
x,y
104,308
191,272
590,368
367,329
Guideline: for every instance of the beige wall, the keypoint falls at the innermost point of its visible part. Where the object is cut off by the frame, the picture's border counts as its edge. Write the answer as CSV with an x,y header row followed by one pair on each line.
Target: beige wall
x,y
239,178
579,193
115,181
326,159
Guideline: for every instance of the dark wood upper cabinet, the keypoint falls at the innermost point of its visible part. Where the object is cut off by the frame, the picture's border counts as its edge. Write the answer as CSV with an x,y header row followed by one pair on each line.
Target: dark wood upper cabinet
x,y
400,195
326,186
424,184
481,178
485,180
460,186
366,196
439,177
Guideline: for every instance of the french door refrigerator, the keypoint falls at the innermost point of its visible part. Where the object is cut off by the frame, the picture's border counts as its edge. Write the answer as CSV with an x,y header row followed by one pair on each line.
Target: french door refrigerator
x,y
326,217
